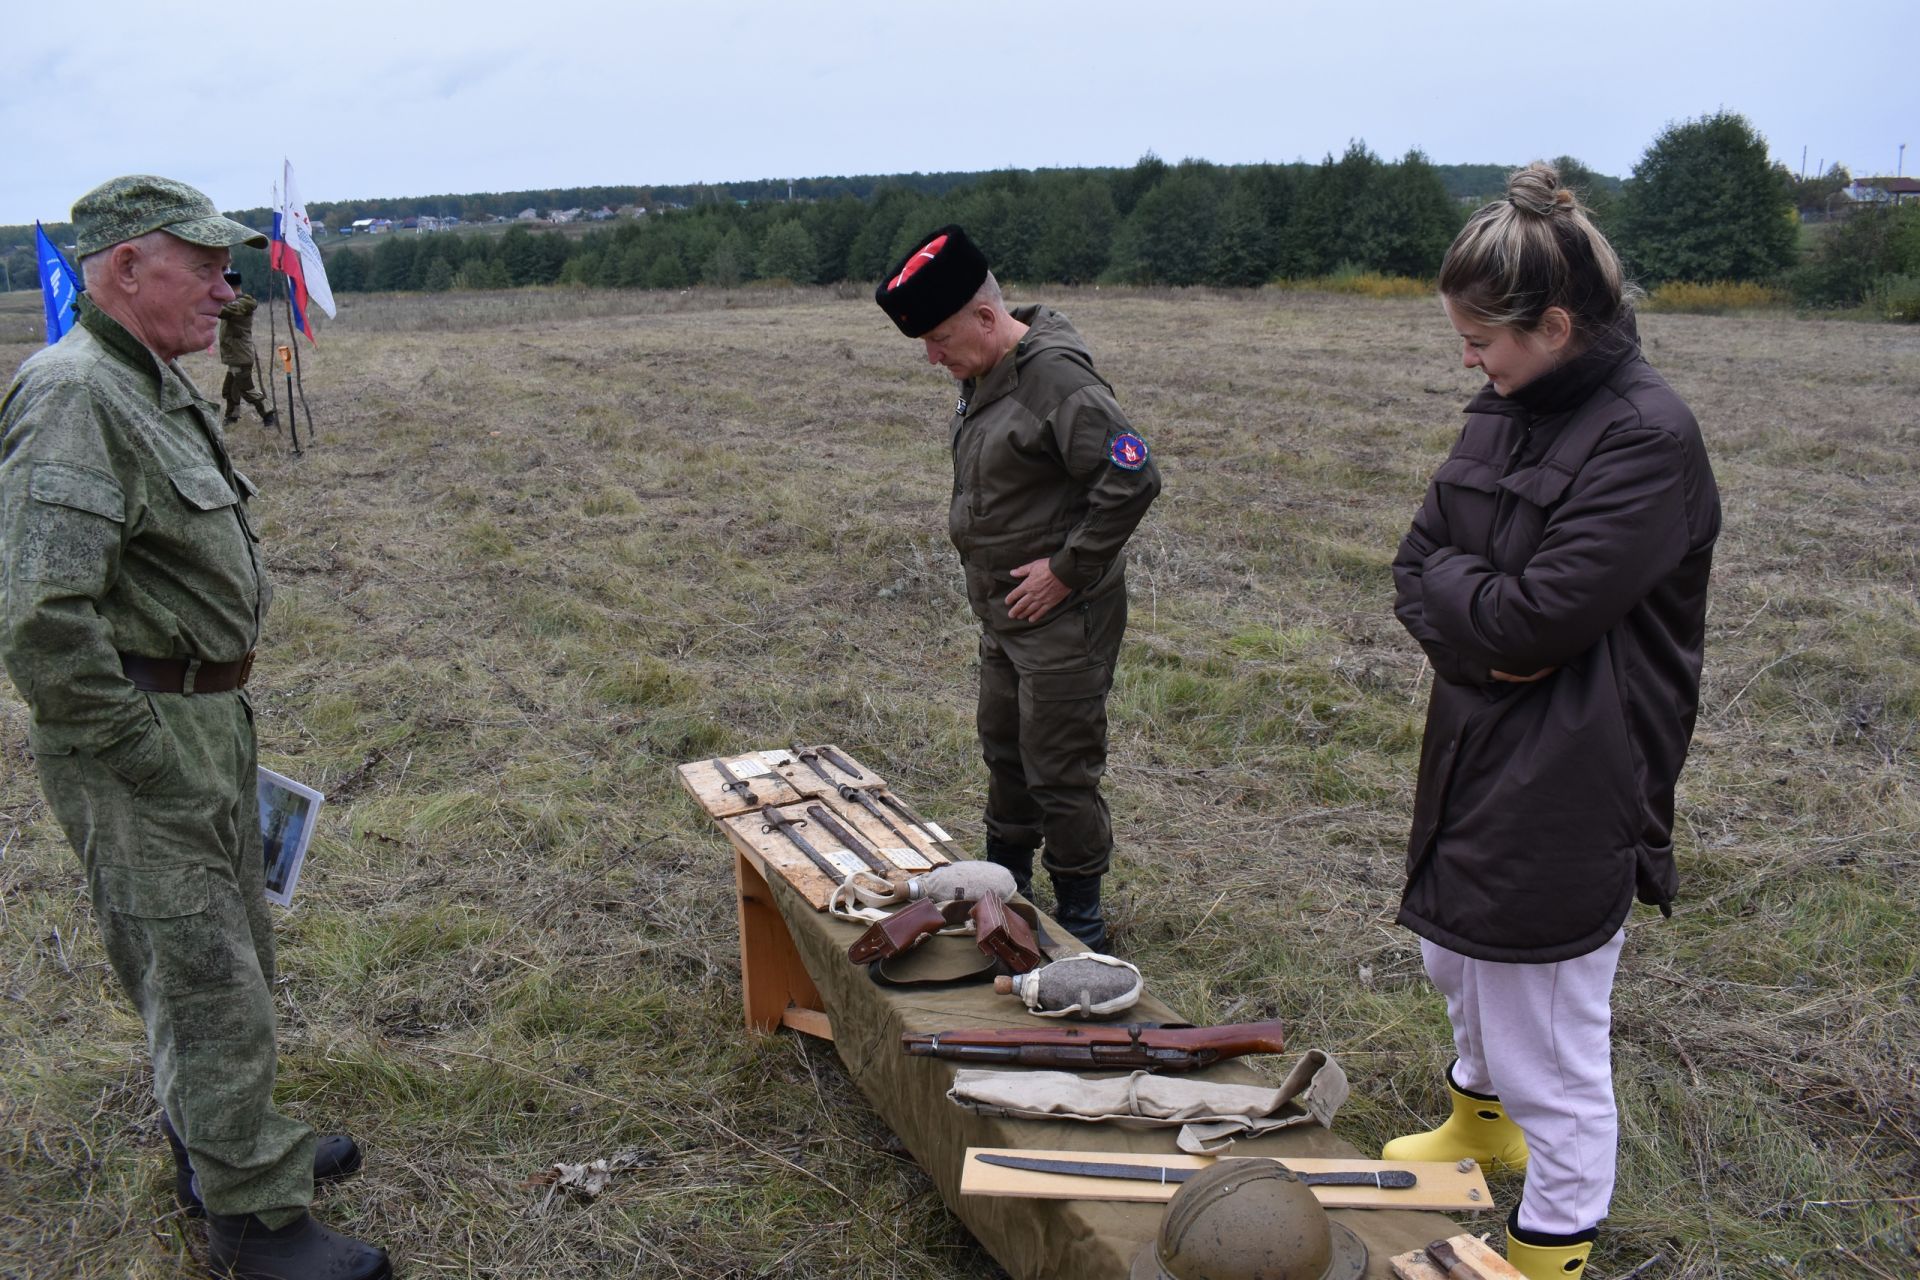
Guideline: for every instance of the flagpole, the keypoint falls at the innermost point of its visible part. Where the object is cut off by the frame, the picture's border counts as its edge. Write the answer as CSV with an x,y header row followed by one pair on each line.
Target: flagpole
x,y
293,345
299,378
295,238
273,288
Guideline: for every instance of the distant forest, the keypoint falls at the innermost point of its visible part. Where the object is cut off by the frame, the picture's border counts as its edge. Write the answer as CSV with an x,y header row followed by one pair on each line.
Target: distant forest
x,y
1186,223
1705,206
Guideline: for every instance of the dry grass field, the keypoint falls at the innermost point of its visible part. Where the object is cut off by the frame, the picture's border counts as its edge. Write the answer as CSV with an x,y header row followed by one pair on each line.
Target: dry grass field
x,y
548,545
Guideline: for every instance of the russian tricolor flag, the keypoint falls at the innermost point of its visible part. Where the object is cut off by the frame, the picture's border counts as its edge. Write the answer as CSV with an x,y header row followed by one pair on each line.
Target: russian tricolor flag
x,y
294,254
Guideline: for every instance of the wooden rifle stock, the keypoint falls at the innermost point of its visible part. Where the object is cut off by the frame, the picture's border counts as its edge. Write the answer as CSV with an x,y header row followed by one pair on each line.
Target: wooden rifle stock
x,y
1094,1048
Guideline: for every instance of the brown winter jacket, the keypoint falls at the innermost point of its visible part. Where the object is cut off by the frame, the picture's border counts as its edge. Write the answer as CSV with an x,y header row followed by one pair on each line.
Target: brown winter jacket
x,y
1033,475
1571,527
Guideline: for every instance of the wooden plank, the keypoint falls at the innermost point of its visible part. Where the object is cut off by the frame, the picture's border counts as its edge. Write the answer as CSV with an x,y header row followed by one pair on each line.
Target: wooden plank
x,y
1416,1266
1441,1184
1473,1250
790,786
774,982
768,784
777,855
807,1021
875,833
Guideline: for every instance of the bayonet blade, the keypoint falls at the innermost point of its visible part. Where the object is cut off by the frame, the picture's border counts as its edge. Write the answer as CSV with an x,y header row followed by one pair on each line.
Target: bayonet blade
x,y
734,781
840,762
859,848
1385,1179
901,807
777,821
857,796
809,757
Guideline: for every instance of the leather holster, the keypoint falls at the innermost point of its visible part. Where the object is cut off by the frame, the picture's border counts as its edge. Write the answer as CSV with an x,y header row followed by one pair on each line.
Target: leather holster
x,y
1004,935
907,928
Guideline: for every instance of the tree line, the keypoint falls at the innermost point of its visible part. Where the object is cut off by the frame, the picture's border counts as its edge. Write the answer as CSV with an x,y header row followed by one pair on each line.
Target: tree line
x,y
1703,204
1154,223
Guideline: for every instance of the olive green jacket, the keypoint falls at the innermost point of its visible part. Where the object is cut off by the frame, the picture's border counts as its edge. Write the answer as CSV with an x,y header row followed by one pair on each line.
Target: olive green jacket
x,y
1033,471
123,529
236,331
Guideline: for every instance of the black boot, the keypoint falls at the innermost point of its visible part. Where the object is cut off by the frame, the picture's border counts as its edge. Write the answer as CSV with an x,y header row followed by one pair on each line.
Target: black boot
x,y
270,417
1015,858
242,1248
1077,907
334,1157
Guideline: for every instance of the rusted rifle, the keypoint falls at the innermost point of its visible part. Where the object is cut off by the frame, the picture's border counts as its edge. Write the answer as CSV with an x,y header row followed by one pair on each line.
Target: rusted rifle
x,y
1157,1047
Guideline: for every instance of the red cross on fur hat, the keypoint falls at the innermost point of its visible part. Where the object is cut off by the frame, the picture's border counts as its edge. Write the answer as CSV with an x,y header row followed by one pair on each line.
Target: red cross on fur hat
x,y
932,282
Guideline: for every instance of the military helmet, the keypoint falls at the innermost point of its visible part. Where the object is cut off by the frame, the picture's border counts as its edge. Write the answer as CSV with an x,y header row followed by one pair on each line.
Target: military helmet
x,y
1249,1220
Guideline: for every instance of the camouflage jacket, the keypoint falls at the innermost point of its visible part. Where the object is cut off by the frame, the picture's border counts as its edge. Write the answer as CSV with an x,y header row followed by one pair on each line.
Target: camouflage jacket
x,y
123,529
1045,466
236,331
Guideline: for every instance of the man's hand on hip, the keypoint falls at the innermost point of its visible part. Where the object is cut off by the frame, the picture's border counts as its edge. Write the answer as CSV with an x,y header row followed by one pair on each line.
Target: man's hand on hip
x,y
1037,593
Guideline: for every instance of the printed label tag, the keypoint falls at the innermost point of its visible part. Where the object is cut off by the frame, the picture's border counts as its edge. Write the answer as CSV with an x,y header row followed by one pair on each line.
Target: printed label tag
x,y
907,859
774,759
749,766
938,834
844,860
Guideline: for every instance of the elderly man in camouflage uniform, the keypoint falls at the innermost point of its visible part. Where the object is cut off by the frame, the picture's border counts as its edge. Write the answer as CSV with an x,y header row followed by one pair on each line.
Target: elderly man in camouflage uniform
x,y
1049,482
131,597
236,353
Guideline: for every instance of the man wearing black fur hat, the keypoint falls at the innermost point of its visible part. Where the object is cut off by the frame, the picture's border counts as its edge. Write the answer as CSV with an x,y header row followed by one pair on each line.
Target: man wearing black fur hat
x,y
1049,481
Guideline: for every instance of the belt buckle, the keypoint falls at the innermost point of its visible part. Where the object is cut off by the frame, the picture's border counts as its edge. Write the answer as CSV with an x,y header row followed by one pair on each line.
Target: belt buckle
x,y
246,670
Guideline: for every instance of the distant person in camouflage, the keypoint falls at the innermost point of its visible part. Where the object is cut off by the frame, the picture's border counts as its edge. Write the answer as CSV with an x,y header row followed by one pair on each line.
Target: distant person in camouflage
x,y
236,352
1049,482
132,591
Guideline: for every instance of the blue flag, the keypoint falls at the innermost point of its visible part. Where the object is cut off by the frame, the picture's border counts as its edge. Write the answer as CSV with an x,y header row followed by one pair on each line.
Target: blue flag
x,y
59,286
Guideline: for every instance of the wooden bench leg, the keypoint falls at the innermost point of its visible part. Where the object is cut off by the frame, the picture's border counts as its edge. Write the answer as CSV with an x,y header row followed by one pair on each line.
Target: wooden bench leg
x,y
774,986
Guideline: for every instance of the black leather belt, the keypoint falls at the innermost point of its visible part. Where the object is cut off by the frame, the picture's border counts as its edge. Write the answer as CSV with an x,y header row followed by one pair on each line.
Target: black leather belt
x,y
185,675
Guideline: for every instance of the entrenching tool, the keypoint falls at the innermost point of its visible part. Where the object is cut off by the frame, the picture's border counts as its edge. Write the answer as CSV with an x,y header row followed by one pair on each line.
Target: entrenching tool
x,y
733,781
777,821
860,848
1385,1179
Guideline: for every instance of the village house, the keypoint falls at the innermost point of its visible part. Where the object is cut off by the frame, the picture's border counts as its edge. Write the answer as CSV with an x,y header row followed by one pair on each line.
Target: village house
x,y
1884,191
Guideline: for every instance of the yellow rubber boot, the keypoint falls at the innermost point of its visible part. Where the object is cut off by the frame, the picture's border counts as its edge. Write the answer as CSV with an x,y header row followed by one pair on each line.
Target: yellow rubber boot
x,y
1478,1129
1548,1261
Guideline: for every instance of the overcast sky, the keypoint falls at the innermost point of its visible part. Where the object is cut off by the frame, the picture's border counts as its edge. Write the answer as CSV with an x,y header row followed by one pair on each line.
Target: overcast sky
x,y
418,97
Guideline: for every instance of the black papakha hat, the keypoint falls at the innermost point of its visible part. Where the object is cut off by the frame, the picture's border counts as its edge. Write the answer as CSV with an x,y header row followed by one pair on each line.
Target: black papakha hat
x,y
932,282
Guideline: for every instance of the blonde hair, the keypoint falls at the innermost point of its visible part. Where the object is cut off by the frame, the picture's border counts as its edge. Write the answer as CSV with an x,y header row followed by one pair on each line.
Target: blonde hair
x,y
1535,249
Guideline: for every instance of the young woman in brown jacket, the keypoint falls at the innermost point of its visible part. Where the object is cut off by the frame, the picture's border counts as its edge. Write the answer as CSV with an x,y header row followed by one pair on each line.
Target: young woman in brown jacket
x,y
1556,577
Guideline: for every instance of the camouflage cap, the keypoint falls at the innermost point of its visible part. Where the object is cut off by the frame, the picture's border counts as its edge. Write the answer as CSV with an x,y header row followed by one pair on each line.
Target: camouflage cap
x,y
122,209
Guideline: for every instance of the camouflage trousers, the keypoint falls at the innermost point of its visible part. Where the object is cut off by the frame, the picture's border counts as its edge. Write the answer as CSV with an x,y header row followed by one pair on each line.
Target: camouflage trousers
x,y
176,872
238,386
1042,717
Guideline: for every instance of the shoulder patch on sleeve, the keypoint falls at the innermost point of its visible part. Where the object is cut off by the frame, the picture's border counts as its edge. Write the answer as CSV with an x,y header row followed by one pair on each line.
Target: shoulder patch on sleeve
x,y
1127,451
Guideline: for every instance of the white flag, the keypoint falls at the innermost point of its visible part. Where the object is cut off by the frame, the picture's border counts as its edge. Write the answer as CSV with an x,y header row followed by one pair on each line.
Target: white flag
x,y
295,253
